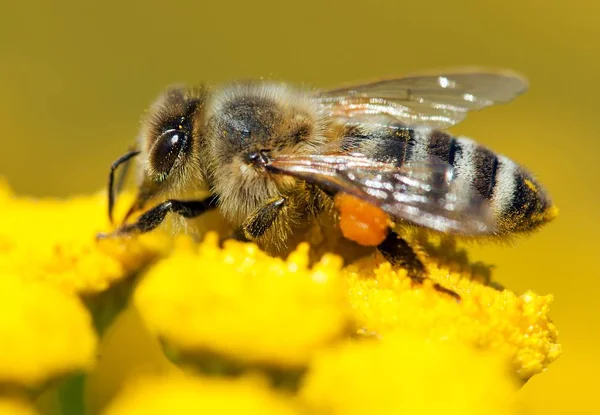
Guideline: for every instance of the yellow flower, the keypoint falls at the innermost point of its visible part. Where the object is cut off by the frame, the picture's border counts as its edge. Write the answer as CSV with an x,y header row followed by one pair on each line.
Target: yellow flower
x,y
54,240
16,406
179,395
46,333
384,300
244,305
408,374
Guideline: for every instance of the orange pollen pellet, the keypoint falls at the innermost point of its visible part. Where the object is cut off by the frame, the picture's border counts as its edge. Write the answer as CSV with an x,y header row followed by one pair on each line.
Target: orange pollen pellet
x,y
360,221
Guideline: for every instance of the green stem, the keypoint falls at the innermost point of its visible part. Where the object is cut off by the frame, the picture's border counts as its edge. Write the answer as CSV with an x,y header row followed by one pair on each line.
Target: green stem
x,y
104,308
71,395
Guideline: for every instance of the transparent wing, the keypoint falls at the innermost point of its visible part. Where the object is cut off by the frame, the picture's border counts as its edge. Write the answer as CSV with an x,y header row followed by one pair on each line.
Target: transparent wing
x,y
436,99
425,193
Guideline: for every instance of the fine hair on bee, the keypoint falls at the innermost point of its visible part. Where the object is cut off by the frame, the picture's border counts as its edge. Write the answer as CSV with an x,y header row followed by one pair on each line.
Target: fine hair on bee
x,y
271,157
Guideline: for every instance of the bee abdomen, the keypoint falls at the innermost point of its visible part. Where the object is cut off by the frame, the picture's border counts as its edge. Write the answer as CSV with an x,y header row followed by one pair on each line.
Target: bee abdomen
x,y
517,200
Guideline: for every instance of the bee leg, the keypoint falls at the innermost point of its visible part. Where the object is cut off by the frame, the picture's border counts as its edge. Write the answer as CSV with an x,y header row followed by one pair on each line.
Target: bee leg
x,y
399,253
154,217
260,221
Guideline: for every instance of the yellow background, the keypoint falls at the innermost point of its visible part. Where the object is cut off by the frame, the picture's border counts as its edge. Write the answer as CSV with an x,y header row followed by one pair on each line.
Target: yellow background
x,y
75,78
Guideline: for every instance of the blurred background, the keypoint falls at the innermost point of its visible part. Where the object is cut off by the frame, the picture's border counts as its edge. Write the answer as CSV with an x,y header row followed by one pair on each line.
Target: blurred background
x,y
75,78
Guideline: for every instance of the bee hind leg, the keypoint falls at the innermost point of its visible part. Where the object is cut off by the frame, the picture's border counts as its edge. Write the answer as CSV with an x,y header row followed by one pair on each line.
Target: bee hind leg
x,y
154,217
399,253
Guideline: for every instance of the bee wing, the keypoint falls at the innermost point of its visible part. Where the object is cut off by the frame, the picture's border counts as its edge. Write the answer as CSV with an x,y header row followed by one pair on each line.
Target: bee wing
x,y
436,99
424,193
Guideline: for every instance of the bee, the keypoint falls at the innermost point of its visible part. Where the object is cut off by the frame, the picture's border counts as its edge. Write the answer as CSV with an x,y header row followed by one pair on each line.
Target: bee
x,y
273,157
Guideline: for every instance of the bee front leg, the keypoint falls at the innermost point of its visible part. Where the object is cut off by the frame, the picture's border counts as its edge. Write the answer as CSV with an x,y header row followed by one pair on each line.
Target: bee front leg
x,y
260,221
154,217
399,253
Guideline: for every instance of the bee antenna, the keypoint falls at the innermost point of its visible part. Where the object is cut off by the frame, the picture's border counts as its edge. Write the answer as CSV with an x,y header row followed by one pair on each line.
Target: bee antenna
x,y
111,180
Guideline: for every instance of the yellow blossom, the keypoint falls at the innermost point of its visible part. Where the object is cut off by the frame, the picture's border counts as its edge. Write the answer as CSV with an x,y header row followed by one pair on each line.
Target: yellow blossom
x,y
16,406
244,305
54,241
408,374
45,333
384,299
179,395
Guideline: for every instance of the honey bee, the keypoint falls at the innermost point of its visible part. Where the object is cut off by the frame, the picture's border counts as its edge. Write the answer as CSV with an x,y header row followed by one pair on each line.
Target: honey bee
x,y
273,157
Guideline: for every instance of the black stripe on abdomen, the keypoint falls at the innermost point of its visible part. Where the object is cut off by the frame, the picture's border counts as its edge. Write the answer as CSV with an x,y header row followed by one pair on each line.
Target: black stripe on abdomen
x,y
486,165
394,145
444,146
525,200
439,145
454,147
385,143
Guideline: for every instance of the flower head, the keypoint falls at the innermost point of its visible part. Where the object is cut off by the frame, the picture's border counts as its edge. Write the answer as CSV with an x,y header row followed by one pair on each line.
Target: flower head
x,y
180,395
46,333
241,303
385,300
408,373
54,241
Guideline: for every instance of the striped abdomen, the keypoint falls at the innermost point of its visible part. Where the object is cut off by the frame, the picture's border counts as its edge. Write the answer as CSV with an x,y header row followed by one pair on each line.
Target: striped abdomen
x,y
518,201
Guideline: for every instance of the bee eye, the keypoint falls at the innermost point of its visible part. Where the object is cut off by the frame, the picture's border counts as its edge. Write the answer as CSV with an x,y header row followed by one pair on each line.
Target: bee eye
x,y
166,150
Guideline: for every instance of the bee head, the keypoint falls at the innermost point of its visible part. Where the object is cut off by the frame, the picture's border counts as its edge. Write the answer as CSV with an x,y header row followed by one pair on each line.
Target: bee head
x,y
171,134
169,140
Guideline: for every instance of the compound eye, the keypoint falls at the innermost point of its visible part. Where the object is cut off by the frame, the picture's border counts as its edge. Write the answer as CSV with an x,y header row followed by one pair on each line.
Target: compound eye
x,y
166,150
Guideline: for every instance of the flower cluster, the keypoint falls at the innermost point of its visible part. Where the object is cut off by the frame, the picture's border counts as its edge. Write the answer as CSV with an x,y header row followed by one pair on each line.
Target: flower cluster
x,y
253,333
53,273
54,241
